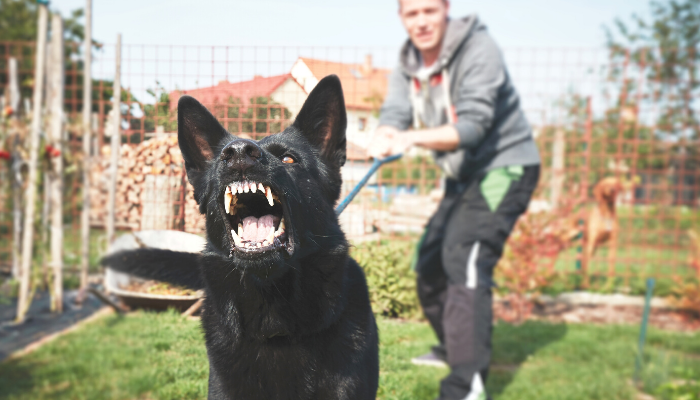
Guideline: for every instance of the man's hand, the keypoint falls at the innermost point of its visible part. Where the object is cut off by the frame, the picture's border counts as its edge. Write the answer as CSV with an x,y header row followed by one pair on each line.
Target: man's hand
x,y
384,142
388,140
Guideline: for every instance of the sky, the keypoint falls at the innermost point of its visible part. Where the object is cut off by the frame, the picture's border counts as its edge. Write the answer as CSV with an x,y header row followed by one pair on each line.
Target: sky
x,y
514,23
569,31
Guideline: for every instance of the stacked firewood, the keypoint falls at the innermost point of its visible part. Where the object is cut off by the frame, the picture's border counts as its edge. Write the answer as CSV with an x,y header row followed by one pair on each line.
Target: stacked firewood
x,y
149,188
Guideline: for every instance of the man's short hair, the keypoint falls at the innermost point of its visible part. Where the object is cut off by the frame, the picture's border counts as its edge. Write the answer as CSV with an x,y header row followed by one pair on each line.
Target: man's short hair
x,y
444,1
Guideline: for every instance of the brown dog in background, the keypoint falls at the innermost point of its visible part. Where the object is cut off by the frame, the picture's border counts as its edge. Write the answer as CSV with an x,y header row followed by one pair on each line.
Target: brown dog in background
x,y
601,222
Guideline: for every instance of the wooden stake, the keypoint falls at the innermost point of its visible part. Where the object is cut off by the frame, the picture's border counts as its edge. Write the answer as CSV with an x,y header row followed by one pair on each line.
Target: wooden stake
x,y
193,308
55,174
87,154
28,232
115,141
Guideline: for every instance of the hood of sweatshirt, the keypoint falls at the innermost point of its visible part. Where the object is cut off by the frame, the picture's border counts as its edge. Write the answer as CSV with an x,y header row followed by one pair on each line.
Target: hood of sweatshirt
x,y
457,32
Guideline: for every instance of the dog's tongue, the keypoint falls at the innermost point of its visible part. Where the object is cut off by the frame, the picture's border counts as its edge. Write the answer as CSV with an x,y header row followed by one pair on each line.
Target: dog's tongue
x,y
257,229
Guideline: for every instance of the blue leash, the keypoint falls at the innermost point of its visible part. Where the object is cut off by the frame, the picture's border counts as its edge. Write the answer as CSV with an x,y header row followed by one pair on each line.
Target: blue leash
x,y
363,182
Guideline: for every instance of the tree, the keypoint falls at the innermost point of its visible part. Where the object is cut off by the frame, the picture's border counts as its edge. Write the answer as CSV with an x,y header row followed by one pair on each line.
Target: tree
x,y
18,22
665,50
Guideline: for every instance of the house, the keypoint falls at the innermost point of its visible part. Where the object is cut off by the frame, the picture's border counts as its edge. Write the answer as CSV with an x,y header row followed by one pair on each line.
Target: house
x,y
282,89
364,87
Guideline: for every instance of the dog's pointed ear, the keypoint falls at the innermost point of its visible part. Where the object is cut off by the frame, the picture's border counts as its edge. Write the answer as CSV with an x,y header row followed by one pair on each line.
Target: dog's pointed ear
x,y
199,134
323,120
201,138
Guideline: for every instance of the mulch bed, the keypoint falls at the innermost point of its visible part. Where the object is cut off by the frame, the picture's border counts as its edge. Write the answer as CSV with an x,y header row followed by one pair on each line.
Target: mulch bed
x,y
661,318
41,322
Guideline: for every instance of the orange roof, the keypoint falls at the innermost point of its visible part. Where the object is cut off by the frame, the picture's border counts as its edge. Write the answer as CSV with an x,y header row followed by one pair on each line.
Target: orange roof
x,y
363,85
256,87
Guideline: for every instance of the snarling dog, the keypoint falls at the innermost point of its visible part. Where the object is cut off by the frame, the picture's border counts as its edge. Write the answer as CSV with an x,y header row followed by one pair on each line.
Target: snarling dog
x,y
286,312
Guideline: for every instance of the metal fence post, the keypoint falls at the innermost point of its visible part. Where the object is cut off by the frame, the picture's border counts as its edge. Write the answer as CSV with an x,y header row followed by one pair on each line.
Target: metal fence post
x,y
643,330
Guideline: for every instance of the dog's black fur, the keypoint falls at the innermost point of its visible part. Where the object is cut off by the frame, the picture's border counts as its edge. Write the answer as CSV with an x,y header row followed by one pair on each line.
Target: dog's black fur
x,y
289,323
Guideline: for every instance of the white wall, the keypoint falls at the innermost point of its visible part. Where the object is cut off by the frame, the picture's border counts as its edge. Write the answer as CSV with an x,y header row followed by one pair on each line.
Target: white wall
x,y
290,95
303,75
361,138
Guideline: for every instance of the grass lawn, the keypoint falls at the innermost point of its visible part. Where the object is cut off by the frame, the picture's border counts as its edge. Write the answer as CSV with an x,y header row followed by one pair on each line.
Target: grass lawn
x,y
162,356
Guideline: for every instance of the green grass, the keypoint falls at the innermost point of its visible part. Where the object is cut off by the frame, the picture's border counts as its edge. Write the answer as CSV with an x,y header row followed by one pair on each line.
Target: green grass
x,y
162,356
632,259
633,264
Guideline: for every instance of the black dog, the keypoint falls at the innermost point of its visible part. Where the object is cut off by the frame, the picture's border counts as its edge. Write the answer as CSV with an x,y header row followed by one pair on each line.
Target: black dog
x,y
287,312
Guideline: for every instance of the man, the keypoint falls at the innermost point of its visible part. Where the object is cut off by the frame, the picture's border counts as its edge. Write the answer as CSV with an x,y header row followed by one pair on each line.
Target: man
x,y
453,89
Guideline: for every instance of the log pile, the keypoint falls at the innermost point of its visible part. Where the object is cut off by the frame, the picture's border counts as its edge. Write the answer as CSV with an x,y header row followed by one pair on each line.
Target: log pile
x,y
149,187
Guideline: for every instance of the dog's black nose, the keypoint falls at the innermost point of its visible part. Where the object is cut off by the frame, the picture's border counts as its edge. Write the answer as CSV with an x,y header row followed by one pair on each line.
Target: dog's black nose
x,y
241,154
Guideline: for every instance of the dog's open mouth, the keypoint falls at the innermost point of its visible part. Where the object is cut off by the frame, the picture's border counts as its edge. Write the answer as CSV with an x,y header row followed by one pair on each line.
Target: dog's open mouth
x,y
256,217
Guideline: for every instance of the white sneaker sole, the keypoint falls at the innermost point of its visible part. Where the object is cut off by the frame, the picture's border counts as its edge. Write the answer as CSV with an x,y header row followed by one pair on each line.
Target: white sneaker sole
x,y
429,363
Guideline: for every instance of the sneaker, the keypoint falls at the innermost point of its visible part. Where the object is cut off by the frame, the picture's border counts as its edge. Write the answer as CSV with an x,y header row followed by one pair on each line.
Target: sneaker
x,y
430,359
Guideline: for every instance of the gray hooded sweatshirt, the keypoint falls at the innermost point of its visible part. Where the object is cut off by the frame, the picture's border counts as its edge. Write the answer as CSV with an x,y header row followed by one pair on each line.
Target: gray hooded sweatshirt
x,y
468,87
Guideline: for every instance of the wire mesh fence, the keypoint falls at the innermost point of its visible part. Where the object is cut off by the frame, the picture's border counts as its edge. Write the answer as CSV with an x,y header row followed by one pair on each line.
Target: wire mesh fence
x,y
617,131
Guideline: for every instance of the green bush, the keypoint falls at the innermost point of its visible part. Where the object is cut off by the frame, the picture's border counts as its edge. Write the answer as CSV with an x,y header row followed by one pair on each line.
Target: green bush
x,y
392,283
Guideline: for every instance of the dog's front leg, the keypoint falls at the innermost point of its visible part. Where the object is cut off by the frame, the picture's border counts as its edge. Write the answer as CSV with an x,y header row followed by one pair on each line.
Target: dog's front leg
x,y
216,389
612,250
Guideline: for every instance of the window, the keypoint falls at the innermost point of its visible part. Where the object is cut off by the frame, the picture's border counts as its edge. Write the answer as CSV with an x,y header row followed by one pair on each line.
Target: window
x,y
362,124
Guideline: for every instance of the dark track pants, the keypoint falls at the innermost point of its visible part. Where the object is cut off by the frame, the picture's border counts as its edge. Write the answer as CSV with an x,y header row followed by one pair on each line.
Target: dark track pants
x,y
462,244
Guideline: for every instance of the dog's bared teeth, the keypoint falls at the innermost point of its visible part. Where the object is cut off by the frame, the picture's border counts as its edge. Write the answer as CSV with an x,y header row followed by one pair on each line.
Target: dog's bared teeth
x,y
236,239
268,194
261,188
280,228
253,188
246,188
271,235
239,187
266,243
227,201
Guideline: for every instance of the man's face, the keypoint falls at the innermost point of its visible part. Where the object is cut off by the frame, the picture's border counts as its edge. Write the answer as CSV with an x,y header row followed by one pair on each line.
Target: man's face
x,y
425,21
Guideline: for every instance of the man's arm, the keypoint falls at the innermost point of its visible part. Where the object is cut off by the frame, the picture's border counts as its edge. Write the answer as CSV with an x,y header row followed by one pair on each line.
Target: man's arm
x,y
483,74
396,110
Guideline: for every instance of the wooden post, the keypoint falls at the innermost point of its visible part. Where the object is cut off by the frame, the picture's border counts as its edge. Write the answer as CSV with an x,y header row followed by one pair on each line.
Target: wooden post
x,y
55,80
16,171
557,179
87,154
115,141
13,86
28,232
585,182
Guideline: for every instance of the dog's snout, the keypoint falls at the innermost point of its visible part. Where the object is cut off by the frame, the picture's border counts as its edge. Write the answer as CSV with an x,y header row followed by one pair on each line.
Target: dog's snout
x,y
242,154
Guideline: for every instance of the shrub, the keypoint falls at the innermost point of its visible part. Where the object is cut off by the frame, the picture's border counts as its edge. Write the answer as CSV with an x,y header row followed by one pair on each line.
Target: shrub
x,y
392,283
526,267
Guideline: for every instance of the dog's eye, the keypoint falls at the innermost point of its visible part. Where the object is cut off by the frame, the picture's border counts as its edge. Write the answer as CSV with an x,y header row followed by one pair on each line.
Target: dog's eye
x,y
288,160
